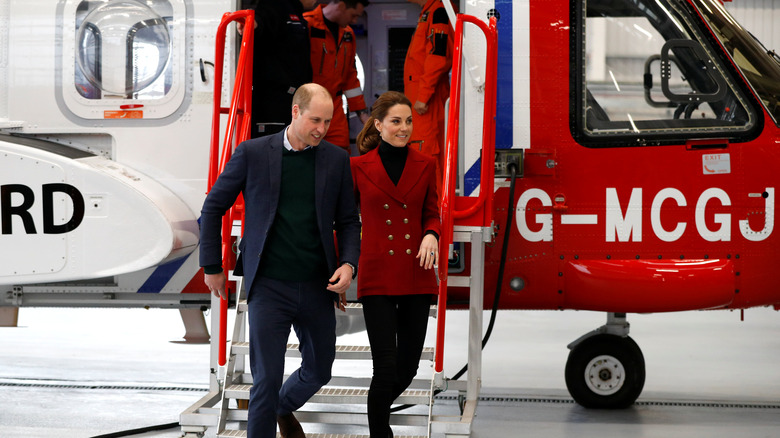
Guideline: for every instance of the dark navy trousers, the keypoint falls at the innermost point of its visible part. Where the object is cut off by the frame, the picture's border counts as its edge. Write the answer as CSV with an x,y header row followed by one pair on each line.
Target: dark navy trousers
x,y
274,307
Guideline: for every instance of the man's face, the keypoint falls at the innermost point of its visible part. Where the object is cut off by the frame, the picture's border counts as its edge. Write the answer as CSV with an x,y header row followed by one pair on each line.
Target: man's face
x,y
310,126
349,15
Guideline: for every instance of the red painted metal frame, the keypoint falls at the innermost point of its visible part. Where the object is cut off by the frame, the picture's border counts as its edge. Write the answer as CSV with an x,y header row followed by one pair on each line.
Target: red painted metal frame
x,y
484,202
239,119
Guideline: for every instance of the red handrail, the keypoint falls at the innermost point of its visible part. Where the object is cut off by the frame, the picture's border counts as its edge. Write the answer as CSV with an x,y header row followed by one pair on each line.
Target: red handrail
x,y
239,119
485,199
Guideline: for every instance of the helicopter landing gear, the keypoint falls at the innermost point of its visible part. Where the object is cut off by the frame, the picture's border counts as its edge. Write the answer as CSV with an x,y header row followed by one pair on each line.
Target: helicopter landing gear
x,y
606,368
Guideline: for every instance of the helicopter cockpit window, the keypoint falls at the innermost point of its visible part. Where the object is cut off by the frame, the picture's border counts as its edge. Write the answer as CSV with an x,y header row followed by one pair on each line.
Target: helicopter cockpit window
x,y
646,76
760,66
120,54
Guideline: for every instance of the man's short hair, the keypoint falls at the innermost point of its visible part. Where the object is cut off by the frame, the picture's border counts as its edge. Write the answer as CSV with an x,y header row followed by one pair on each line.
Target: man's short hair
x,y
306,92
352,4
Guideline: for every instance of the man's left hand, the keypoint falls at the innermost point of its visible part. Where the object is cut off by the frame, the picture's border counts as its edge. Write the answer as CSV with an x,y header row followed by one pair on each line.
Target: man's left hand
x,y
340,282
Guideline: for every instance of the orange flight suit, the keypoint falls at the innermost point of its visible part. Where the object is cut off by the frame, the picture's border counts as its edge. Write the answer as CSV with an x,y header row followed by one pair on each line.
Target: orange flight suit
x,y
426,78
333,67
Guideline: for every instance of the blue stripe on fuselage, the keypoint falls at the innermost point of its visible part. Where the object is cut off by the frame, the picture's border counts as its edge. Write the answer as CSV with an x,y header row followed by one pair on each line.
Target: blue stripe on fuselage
x,y
504,115
161,276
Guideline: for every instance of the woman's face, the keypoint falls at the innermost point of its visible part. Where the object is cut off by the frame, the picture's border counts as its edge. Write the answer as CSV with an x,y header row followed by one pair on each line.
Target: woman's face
x,y
396,127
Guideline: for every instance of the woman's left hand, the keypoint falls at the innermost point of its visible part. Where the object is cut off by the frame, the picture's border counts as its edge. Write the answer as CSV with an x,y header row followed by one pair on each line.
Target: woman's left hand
x,y
429,252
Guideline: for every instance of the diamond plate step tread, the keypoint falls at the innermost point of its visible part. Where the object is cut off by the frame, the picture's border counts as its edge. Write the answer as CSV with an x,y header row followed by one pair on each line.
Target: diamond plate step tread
x,y
228,433
342,351
351,309
335,417
338,395
355,352
339,381
242,433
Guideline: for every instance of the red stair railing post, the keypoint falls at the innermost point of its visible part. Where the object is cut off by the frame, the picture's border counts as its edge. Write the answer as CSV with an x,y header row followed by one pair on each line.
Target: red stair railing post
x,y
445,209
239,115
485,200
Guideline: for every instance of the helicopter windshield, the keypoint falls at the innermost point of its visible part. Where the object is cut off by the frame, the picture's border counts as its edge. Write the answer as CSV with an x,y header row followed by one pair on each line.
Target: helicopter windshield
x,y
647,74
759,66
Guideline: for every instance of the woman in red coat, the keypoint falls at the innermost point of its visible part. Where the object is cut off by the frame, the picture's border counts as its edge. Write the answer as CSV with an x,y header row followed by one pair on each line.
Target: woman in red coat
x,y
395,187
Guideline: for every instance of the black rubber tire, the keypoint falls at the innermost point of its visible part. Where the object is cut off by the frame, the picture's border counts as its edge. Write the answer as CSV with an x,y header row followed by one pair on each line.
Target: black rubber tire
x,y
619,352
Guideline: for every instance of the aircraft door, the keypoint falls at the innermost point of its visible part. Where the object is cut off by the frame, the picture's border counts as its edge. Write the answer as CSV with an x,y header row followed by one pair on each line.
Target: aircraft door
x,y
389,27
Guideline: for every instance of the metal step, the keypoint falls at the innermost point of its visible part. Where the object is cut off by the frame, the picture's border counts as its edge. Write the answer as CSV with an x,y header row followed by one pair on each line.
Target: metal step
x,y
355,352
351,352
346,417
360,396
340,381
242,433
357,309
339,395
352,309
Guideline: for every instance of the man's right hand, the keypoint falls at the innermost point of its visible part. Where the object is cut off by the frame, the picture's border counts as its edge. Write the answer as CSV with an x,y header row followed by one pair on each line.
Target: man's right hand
x,y
216,284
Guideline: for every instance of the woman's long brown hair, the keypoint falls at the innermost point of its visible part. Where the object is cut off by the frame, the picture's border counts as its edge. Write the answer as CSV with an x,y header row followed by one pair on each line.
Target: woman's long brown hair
x,y
369,136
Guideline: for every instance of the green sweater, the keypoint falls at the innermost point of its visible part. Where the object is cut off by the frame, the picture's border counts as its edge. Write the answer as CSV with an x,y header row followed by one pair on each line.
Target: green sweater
x,y
293,249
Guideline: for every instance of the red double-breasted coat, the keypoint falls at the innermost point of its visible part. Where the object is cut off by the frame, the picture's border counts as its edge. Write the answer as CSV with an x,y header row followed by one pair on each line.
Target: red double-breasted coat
x,y
395,219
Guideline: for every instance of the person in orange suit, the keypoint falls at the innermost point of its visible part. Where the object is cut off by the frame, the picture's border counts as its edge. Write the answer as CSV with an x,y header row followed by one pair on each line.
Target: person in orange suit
x,y
333,61
426,78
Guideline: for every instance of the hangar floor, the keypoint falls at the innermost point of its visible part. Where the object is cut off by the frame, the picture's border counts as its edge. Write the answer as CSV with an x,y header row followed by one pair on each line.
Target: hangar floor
x,y
80,373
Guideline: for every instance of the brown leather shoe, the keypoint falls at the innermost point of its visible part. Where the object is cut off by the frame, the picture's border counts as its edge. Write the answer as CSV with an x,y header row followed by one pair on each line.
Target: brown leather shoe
x,y
289,427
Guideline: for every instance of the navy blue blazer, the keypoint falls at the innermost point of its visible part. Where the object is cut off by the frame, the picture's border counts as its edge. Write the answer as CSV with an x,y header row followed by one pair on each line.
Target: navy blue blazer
x,y
256,170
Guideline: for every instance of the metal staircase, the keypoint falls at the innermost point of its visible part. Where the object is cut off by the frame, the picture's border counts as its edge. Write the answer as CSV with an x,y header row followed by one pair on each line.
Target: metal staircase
x,y
339,408
469,220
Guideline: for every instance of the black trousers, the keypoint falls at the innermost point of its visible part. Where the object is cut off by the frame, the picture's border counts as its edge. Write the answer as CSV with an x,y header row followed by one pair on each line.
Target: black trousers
x,y
396,327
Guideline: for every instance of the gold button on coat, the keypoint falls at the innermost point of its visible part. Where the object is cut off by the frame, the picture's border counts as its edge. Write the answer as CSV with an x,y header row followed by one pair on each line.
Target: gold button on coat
x,y
408,251
407,237
389,222
404,205
406,221
390,237
391,252
386,207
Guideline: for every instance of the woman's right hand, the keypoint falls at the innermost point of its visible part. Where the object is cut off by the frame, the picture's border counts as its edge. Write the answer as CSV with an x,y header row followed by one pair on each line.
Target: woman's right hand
x,y
429,252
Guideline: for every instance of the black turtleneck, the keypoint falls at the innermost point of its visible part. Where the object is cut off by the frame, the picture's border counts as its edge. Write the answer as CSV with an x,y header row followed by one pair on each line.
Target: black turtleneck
x,y
394,160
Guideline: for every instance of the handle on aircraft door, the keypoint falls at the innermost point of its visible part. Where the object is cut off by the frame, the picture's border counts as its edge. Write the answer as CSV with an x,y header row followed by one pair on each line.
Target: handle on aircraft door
x,y
203,65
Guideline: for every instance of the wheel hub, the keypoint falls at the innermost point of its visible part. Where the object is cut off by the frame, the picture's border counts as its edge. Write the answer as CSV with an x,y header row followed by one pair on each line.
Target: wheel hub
x,y
605,375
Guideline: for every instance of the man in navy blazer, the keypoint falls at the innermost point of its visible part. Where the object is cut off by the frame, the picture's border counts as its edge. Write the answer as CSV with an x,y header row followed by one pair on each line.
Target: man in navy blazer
x,y
298,191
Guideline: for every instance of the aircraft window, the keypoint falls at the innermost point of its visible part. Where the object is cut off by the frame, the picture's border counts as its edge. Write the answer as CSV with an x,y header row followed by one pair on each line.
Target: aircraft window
x,y
760,66
124,60
123,49
648,77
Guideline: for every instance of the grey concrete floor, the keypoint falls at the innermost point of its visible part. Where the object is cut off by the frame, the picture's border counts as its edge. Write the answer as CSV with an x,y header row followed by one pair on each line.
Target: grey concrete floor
x,y
85,372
